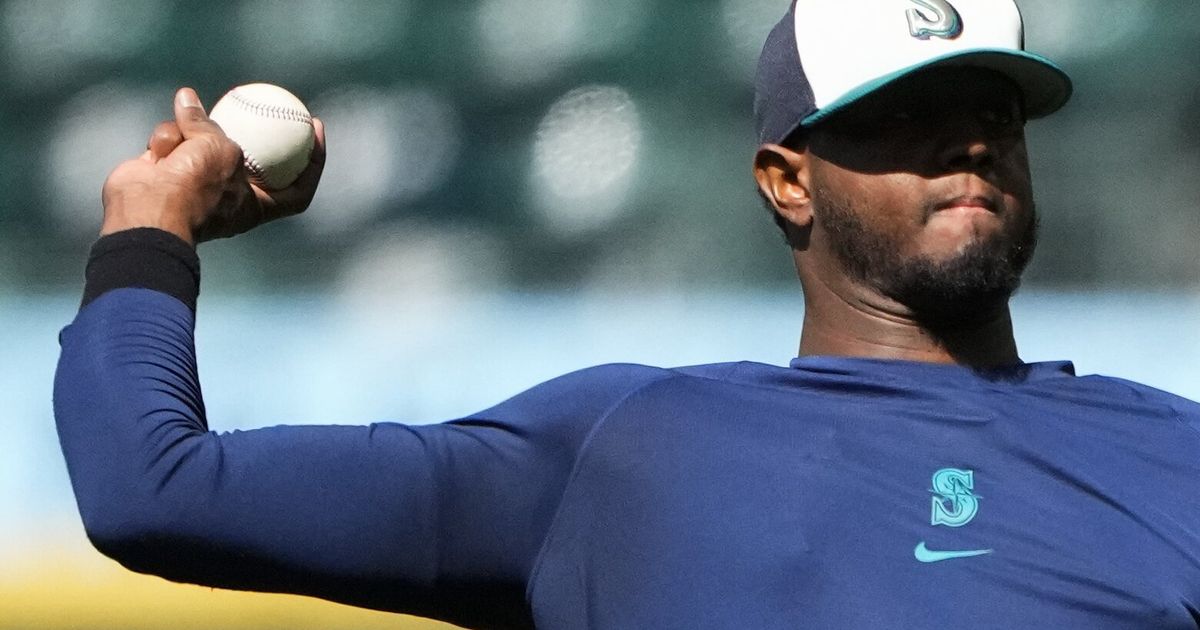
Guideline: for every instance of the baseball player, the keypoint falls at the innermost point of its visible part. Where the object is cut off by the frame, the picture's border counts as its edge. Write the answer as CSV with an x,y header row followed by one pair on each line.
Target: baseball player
x,y
907,470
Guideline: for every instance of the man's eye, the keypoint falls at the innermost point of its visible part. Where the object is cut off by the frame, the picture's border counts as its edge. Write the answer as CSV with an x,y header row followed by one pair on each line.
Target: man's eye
x,y
898,119
998,117
891,121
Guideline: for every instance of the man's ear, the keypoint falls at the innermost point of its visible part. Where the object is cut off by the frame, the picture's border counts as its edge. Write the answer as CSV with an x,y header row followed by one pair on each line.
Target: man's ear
x,y
784,178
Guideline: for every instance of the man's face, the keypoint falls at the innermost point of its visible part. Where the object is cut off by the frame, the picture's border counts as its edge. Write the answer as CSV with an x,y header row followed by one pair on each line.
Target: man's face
x,y
923,192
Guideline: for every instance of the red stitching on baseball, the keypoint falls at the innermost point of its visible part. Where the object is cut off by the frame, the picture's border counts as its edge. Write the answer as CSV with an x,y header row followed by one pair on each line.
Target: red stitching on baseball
x,y
256,171
275,111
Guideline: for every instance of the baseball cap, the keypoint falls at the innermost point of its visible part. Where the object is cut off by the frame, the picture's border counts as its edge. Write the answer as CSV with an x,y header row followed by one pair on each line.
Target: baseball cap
x,y
826,55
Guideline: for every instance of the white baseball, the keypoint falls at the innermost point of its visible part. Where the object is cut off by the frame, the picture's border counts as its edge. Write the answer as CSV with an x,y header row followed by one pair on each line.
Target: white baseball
x,y
274,129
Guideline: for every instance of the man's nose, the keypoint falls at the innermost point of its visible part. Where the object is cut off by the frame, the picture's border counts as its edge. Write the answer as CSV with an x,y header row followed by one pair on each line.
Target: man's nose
x,y
969,148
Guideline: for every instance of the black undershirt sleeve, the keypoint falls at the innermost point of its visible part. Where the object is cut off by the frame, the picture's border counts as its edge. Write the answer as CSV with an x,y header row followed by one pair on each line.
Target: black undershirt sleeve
x,y
146,258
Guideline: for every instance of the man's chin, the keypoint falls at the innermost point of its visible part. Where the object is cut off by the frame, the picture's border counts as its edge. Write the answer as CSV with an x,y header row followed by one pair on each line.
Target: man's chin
x,y
959,290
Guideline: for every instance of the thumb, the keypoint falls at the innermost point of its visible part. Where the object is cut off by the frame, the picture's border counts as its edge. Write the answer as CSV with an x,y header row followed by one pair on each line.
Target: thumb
x,y
190,115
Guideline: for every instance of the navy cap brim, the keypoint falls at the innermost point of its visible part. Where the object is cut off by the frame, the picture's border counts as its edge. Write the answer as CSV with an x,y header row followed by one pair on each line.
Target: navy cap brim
x,y
1046,87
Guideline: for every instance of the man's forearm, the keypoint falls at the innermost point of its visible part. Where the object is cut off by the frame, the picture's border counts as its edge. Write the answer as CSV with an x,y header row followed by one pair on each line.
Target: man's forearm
x,y
133,388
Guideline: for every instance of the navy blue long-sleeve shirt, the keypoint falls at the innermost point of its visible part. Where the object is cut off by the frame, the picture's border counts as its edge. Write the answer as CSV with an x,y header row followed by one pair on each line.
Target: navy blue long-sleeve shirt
x,y
833,493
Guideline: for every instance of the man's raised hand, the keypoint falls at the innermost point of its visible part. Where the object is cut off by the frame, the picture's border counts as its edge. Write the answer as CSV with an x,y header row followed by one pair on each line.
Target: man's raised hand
x,y
192,181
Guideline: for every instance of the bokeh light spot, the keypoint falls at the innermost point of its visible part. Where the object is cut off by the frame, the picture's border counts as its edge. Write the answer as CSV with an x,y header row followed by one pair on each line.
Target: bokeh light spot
x,y
385,148
584,155
97,130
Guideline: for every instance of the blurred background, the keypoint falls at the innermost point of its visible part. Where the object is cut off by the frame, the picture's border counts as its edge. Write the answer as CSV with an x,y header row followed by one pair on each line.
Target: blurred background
x,y
515,189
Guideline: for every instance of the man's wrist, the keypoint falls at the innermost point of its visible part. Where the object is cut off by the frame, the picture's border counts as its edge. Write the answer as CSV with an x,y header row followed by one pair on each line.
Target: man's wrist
x,y
143,257
117,220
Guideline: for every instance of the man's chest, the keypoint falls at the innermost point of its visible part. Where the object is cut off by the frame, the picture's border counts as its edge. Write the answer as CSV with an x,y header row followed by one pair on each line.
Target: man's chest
x,y
696,520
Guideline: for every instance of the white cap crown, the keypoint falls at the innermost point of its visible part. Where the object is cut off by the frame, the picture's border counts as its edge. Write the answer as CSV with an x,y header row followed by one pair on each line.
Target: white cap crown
x,y
860,41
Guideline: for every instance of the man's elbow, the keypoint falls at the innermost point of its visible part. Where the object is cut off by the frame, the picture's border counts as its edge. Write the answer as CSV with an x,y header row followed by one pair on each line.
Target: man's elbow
x,y
138,518
131,532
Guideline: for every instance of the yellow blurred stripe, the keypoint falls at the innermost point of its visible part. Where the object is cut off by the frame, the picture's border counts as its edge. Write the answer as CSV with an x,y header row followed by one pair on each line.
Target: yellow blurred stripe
x,y
68,591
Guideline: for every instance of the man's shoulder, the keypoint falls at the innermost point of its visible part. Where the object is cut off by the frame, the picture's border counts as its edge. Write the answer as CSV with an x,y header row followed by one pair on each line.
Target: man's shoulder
x,y
633,376
604,386
577,400
600,386
1187,410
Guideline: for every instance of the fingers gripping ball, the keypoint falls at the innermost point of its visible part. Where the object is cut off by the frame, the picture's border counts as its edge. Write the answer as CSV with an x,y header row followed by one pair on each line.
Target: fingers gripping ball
x,y
274,129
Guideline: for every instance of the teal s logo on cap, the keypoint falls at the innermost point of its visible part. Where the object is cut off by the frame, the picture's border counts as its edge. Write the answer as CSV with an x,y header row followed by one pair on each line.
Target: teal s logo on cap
x,y
946,23
954,502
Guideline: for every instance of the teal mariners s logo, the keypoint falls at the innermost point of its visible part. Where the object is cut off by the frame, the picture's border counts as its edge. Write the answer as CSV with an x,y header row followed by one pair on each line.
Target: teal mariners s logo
x,y
935,18
954,504
954,500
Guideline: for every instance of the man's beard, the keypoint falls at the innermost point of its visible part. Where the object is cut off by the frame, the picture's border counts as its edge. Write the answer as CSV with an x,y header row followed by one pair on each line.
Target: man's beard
x,y
959,291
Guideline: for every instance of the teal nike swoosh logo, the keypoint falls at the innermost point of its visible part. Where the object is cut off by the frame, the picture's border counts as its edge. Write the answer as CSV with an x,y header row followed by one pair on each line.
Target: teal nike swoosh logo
x,y
928,555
